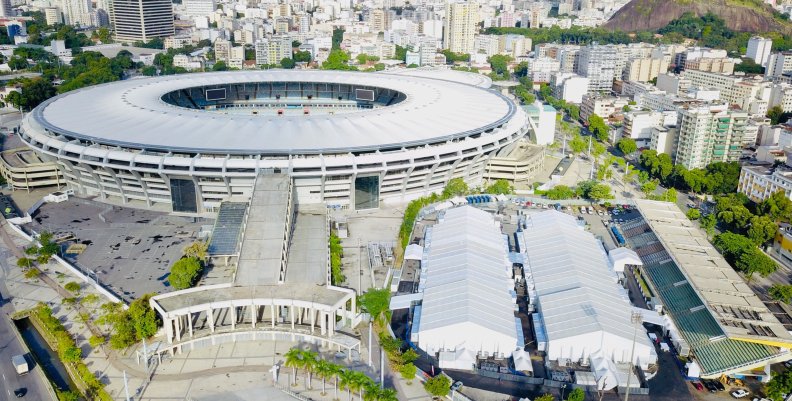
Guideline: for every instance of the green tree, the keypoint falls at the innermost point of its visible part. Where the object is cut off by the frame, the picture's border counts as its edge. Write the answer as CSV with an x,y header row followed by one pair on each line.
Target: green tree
x,y
143,317
184,273
597,150
779,384
293,360
670,195
455,187
438,386
96,341
693,214
67,396
598,127
560,192
578,144
627,145
576,394
302,56
546,397
408,372
72,354
72,286
376,302
708,223
220,66
781,292
777,206
776,115
600,192
755,261
762,229
16,63
24,262
500,187
287,63
197,249
732,245
337,60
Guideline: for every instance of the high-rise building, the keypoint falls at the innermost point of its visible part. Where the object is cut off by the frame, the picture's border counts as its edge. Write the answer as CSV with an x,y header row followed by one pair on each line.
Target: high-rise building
x,y
708,135
77,12
273,50
460,26
598,64
377,22
53,15
199,8
6,9
759,50
304,23
142,20
779,64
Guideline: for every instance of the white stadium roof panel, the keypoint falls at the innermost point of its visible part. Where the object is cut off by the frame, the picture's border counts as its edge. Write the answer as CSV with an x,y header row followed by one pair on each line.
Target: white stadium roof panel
x,y
132,113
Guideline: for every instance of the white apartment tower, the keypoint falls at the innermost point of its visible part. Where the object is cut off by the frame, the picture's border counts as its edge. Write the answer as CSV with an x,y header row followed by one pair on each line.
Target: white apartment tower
x,y
759,50
460,26
77,12
6,9
274,50
708,136
779,64
598,64
142,20
199,8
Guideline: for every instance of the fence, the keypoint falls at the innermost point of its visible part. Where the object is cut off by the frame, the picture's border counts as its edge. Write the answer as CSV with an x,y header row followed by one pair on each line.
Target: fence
x,y
510,377
72,268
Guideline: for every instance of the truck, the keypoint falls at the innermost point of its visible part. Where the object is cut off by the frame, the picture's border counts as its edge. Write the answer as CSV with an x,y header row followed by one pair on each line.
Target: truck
x,y
20,364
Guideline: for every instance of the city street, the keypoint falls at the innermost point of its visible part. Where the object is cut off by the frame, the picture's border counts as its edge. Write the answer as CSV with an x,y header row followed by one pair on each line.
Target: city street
x,y
10,345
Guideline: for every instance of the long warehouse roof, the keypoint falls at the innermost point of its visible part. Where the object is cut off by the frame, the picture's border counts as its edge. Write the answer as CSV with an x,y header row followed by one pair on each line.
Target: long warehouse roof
x,y
467,274
739,312
577,292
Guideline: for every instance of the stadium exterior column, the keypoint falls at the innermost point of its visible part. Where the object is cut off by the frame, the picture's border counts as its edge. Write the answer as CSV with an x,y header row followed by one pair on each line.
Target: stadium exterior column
x,y
233,317
210,318
168,323
189,323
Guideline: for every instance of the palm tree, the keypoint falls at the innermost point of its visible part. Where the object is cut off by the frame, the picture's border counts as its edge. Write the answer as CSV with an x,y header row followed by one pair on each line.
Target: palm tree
x,y
309,364
360,383
323,371
370,391
347,378
387,394
334,371
294,361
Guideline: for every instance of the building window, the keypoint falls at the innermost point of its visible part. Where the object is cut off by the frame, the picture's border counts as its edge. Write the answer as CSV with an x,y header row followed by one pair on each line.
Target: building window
x,y
367,192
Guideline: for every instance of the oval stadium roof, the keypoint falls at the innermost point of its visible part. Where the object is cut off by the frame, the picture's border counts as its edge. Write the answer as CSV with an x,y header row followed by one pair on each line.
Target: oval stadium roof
x,y
131,113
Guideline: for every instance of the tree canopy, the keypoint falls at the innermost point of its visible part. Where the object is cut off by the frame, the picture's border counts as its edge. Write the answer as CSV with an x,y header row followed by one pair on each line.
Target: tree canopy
x,y
184,273
781,292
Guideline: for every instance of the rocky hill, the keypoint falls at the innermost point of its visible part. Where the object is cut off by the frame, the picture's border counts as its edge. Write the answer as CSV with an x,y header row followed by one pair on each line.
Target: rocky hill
x,y
740,15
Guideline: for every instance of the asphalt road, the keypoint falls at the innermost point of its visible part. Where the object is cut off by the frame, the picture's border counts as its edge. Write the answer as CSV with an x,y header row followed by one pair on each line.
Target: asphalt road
x,y
10,346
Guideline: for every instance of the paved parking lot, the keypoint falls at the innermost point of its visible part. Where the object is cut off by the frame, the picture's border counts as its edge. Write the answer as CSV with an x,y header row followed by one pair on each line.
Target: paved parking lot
x,y
130,250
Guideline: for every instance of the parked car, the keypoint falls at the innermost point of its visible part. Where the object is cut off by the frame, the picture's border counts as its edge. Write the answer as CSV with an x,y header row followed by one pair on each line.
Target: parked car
x,y
456,386
740,393
710,385
788,364
719,385
20,392
698,386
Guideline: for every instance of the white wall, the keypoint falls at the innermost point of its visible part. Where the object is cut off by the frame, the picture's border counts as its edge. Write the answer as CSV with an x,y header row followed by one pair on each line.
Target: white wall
x,y
469,335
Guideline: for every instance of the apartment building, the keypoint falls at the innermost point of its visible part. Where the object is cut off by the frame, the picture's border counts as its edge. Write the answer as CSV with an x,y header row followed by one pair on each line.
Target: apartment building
x,y
709,134
602,106
460,26
598,64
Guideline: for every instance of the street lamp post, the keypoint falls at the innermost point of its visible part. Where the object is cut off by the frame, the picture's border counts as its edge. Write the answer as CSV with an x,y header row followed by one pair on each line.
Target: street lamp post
x,y
562,391
636,319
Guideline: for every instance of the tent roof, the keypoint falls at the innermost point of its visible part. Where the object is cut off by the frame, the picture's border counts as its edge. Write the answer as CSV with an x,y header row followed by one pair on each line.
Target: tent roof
x,y
413,252
578,293
467,274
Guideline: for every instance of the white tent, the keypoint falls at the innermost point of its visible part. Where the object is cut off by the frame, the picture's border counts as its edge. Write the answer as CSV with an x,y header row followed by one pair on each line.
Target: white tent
x,y
413,252
460,358
582,305
605,372
619,257
522,361
466,283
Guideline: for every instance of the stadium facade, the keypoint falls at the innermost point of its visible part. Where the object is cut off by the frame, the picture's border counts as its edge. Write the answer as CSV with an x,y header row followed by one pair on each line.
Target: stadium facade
x,y
188,142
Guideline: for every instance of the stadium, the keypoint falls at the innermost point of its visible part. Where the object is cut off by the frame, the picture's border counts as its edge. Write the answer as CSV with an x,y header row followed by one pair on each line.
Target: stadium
x,y
186,143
